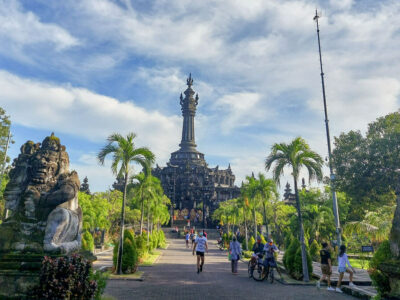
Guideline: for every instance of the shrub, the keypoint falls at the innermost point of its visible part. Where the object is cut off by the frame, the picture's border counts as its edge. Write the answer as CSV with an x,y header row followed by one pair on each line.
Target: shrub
x,y
314,251
141,245
288,240
161,239
297,271
87,241
263,239
288,258
379,279
252,241
65,278
129,253
101,279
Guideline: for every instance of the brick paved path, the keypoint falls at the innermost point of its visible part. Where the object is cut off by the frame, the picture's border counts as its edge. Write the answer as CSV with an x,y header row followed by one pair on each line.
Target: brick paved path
x,y
175,277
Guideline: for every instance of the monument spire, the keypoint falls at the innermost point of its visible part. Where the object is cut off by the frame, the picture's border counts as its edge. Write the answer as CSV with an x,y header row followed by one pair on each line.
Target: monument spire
x,y
188,106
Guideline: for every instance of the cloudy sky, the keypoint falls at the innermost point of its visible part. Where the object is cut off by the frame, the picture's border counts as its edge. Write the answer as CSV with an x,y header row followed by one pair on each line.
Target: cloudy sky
x,y
85,69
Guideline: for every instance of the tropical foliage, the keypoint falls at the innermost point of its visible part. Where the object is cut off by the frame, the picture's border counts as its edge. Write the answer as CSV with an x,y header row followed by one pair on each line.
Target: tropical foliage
x,y
296,155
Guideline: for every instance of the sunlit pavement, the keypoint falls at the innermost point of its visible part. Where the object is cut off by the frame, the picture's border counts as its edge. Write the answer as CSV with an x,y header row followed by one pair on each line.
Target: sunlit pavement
x,y
175,277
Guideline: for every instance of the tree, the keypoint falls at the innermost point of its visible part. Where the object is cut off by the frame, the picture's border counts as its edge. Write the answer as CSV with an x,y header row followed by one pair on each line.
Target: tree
x,y
5,140
296,155
366,167
251,192
124,154
268,192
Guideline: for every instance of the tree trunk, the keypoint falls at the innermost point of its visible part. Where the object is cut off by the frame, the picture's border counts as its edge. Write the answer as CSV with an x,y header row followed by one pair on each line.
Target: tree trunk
x,y
245,230
148,221
141,212
255,223
306,277
265,219
121,238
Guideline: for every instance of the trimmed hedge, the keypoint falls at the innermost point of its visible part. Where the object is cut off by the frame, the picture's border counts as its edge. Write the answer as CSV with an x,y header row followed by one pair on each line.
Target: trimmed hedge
x,y
129,255
87,241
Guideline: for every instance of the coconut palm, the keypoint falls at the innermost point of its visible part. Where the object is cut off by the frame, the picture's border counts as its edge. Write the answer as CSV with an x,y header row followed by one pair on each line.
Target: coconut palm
x,y
251,191
296,155
124,153
267,191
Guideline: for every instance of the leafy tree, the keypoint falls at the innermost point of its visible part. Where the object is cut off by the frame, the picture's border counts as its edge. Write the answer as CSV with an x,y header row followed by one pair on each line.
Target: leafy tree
x,y
366,166
296,155
124,154
5,125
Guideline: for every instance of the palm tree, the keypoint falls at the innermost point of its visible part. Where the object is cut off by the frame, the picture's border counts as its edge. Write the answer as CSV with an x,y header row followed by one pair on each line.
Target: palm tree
x,y
296,155
267,190
124,153
252,193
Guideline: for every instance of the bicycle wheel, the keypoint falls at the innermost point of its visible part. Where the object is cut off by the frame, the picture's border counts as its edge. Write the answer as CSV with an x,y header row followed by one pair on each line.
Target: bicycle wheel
x,y
259,273
250,269
271,275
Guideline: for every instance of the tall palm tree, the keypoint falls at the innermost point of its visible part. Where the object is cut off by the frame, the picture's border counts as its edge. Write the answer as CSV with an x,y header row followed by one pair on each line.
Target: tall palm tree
x,y
251,191
267,190
124,153
296,155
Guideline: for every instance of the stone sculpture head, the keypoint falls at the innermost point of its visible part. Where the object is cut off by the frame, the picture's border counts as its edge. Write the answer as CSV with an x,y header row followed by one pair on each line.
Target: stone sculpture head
x,y
50,161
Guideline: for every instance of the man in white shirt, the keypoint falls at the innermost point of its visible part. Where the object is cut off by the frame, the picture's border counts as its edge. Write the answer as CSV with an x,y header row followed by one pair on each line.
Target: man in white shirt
x,y
200,246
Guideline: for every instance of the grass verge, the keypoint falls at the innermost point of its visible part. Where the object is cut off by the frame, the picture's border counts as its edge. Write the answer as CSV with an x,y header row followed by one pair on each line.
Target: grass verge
x,y
149,259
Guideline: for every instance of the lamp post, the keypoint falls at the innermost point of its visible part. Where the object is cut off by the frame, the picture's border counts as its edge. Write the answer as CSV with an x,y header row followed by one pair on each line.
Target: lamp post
x,y
332,175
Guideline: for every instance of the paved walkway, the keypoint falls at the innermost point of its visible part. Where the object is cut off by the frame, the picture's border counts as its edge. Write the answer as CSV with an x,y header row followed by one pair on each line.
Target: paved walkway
x,y
175,277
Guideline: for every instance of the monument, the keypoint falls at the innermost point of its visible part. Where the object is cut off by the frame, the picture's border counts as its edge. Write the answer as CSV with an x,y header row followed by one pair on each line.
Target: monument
x,y
194,188
43,216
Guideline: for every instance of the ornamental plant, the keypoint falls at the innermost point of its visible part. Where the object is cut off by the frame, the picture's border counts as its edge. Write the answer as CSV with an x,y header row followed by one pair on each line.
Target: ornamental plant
x,y
65,278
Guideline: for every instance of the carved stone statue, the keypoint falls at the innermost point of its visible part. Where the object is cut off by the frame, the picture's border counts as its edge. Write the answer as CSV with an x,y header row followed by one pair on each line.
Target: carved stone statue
x,y
42,202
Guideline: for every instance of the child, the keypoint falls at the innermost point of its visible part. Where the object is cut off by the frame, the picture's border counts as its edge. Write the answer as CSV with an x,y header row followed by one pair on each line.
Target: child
x,y
342,268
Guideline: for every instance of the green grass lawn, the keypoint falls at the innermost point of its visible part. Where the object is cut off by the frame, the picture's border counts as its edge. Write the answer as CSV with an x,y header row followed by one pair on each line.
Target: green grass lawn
x,y
359,263
149,259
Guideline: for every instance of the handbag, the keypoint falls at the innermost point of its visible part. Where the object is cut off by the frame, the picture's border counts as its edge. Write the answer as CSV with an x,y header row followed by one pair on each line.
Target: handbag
x,y
229,256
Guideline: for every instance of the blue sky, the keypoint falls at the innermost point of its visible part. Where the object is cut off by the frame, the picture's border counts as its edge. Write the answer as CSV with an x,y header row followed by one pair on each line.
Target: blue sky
x,y
85,69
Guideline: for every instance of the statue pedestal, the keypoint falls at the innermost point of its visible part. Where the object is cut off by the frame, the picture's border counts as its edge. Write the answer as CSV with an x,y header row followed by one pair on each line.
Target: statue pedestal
x,y
392,270
19,273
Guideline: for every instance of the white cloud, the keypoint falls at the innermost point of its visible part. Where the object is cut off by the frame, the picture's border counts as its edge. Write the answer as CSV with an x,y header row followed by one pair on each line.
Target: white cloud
x,y
83,113
239,109
25,28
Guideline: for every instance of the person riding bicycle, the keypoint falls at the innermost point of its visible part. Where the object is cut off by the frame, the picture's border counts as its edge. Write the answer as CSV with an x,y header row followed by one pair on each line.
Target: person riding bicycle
x,y
258,250
269,250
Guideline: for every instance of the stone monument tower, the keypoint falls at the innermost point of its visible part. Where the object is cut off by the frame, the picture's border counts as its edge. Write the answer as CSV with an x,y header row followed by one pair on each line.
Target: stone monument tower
x,y
194,188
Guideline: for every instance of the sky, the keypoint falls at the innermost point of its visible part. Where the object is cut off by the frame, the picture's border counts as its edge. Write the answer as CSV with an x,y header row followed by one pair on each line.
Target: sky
x,y
85,69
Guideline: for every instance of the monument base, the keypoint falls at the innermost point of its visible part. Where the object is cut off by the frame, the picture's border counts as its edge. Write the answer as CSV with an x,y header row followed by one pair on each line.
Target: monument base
x,y
392,270
19,274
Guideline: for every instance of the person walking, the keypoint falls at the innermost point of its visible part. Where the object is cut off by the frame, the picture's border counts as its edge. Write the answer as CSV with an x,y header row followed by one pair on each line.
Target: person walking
x,y
204,233
235,252
187,239
344,266
200,246
326,266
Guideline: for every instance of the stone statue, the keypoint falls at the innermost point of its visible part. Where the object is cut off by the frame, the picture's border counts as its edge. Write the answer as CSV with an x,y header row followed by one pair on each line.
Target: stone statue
x,y
42,202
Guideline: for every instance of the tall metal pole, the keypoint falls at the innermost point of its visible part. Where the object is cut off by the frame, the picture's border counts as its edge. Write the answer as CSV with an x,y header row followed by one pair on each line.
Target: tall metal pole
x,y
332,175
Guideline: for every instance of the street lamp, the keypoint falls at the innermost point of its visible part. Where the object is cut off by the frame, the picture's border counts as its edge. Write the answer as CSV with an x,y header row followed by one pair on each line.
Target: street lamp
x,y
173,203
332,175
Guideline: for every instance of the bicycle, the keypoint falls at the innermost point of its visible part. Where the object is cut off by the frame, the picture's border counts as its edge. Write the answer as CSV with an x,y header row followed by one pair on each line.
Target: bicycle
x,y
262,272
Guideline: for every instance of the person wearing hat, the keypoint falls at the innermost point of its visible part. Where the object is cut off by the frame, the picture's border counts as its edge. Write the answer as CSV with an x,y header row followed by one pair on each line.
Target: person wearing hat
x,y
269,249
200,246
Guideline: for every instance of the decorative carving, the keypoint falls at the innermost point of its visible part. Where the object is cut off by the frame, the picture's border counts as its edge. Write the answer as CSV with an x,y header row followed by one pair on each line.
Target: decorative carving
x,y
42,199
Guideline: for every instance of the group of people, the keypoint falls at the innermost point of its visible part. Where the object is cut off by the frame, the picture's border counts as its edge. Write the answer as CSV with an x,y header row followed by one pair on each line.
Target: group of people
x,y
344,266
200,246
